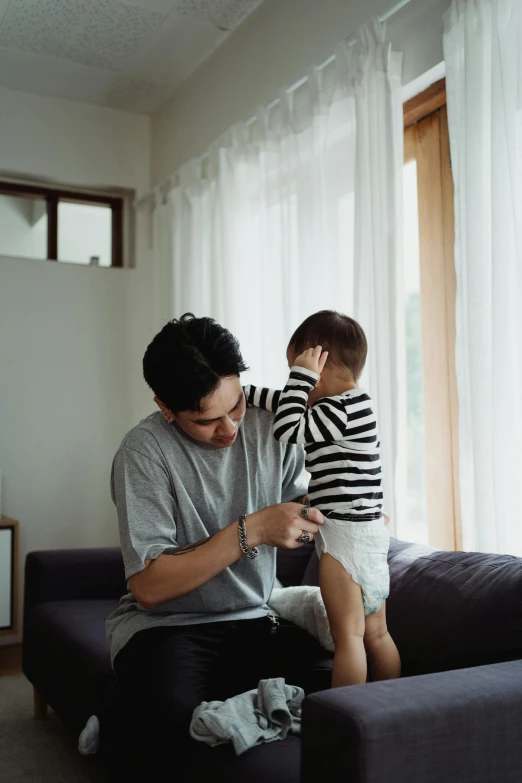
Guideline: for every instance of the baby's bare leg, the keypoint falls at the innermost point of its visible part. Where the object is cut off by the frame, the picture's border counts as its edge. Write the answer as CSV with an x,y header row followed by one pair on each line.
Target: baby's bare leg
x,y
383,656
344,606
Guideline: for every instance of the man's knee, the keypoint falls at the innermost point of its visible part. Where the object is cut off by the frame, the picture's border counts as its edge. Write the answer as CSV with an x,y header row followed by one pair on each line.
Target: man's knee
x,y
161,714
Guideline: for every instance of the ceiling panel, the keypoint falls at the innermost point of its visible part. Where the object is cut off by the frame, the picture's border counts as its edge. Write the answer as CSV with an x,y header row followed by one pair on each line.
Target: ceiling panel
x,y
130,54
102,33
144,97
177,50
165,6
47,76
224,14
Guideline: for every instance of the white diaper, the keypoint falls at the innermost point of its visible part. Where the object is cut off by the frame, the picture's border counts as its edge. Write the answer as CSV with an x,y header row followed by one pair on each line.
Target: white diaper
x,y
362,548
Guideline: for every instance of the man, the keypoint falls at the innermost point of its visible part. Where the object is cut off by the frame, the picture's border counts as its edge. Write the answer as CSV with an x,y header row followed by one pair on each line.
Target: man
x,y
204,496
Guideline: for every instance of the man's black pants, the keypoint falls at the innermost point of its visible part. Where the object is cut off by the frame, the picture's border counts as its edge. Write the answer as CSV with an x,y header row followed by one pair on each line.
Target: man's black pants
x,y
164,673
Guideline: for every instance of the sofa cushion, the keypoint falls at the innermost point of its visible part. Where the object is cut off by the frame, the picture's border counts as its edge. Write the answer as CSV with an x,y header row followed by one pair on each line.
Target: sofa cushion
x,y
66,655
449,610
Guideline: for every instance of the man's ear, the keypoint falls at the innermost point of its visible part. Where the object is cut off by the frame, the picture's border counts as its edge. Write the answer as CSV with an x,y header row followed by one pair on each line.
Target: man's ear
x,y
169,416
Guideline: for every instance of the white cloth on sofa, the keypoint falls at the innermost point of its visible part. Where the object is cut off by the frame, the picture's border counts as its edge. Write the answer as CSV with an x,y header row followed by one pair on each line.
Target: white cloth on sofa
x,y
304,606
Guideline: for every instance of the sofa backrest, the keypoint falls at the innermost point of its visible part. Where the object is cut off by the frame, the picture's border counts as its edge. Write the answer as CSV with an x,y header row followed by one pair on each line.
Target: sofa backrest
x,y
292,564
72,574
446,610
449,610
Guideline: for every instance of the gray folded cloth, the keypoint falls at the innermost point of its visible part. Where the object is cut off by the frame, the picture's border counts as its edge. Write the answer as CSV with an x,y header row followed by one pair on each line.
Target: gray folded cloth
x,y
265,714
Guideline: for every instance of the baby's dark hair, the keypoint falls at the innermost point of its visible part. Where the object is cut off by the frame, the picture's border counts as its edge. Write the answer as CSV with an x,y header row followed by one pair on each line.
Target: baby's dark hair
x,y
338,334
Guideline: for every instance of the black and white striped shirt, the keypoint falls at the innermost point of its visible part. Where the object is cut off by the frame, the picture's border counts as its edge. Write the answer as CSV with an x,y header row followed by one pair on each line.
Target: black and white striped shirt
x,y
341,442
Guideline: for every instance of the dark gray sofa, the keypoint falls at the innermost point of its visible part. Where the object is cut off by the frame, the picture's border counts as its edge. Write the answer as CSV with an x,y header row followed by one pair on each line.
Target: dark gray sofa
x,y
455,717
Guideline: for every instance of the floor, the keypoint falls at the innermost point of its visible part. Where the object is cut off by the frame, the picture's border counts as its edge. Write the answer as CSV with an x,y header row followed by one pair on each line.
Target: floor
x,y
10,660
36,751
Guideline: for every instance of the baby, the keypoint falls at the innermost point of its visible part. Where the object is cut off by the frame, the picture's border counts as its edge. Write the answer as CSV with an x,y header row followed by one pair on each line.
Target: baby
x,y
322,407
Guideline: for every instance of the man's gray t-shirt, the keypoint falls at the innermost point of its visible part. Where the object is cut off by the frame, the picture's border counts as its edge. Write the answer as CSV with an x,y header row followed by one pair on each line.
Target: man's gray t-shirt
x,y
171,491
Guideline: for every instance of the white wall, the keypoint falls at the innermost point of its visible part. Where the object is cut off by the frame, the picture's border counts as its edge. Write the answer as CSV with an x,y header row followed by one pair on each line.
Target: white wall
x,y
72,143
271,50
63,412
71,337
416,30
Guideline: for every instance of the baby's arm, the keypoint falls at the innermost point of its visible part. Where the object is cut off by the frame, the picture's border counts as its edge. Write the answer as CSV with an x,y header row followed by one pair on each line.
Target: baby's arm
x,y
261,397
289,419
296,423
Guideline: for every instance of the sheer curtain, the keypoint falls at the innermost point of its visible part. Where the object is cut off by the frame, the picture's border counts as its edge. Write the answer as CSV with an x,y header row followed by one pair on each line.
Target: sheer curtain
x,y
296,211
483,52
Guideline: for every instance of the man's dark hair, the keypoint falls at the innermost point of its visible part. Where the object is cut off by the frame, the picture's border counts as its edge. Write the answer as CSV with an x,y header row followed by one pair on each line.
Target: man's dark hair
x,y
186,360
338,334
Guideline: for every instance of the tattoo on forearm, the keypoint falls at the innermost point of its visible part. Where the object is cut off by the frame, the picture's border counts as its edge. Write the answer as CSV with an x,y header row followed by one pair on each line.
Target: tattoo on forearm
x,y
191,547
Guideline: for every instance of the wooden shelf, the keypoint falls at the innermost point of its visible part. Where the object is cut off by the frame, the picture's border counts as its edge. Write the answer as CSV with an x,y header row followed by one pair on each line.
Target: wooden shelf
x,y
6,523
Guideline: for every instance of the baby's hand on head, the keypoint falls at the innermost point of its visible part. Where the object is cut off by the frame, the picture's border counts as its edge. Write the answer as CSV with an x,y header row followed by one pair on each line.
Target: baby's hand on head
x,y
312,359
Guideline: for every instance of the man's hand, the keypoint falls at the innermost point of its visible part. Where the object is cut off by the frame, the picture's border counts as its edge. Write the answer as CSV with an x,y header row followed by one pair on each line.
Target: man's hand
x,y
281,525
312,359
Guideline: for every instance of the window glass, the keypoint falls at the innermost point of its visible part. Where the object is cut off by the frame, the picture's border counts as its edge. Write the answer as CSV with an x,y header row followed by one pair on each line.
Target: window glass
x,y
23,226
84,233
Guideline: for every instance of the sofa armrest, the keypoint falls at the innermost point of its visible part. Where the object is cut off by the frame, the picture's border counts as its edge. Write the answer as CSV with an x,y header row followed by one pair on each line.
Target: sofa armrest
x,y
460,726
75,574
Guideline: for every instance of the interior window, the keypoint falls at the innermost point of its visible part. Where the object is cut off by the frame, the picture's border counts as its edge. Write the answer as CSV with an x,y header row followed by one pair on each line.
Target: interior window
x,y
433,503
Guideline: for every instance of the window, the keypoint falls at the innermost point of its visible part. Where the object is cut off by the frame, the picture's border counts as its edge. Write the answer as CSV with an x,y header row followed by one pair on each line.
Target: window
x,y
416,525
433,507
66,226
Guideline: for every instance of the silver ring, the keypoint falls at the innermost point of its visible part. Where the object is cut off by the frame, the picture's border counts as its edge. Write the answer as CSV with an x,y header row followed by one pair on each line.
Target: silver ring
x,y
304,512
304,538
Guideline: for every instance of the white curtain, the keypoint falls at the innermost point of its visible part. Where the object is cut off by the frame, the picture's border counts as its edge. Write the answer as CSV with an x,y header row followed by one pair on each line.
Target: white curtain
x,y
297,211
483,52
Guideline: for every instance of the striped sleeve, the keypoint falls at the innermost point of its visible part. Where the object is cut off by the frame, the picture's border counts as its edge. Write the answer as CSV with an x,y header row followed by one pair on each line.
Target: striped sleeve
x,y
296,423
260,397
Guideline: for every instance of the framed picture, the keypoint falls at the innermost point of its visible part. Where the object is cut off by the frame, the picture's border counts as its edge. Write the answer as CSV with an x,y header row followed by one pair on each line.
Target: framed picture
x,y
8,576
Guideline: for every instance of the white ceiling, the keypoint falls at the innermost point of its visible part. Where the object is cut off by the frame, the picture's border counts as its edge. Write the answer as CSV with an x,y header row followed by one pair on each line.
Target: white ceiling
x,y
128,54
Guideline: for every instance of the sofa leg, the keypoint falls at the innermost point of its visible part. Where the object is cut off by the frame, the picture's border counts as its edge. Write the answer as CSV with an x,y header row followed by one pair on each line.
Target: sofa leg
x,y
40,706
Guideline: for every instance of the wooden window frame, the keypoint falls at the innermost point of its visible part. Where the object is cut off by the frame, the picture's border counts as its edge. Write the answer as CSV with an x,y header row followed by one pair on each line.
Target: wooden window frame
x,y
53,196
426,141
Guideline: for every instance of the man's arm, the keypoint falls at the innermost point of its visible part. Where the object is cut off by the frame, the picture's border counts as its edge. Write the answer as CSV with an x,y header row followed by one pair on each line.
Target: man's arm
x,y
170,576
173,575
156,568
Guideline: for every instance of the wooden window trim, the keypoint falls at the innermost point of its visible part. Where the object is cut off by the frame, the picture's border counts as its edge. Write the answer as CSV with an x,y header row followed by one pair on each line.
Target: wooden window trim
x,y
53,196
52,227
426,141
425,103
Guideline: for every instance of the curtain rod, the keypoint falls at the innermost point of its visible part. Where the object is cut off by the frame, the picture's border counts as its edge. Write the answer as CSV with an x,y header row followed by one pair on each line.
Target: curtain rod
x,y
392,10
383,17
